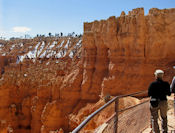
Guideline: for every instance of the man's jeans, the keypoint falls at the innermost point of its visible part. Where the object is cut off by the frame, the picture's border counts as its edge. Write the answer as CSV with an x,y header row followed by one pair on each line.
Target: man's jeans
x,y
163,107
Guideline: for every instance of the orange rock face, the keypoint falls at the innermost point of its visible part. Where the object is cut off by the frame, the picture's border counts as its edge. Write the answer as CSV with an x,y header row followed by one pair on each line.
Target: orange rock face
x,y
121,54
4,61
103,116
44,92
32,91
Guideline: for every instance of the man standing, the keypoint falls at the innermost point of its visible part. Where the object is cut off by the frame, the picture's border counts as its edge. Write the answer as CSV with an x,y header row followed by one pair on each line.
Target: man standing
x,y
158,90
172,87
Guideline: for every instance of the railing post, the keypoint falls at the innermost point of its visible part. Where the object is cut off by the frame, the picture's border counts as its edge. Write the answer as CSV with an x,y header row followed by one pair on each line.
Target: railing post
x,y
116,115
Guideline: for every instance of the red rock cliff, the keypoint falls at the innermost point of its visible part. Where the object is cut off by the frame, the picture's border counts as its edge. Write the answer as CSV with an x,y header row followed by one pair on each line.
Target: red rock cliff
x,y
121,54
32,99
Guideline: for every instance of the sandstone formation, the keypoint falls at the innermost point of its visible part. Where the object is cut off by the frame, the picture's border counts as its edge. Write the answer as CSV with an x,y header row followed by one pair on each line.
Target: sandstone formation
x,y
46,81
99,119
30,85
121,54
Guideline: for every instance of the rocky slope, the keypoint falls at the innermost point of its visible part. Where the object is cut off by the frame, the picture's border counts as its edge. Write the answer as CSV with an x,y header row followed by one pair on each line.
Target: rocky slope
x,y
33,71
46,81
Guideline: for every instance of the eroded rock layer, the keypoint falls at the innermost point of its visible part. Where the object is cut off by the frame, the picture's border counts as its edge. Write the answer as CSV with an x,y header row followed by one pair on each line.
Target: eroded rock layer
x,y
121,54
46,81
32,73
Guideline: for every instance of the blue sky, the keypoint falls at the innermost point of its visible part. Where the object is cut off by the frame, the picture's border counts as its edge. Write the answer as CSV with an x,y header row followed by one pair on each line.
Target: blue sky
x,y
19,17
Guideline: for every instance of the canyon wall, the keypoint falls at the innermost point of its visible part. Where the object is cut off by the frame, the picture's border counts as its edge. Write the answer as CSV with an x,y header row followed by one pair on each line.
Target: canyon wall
x,y
52,79
121,54
32,99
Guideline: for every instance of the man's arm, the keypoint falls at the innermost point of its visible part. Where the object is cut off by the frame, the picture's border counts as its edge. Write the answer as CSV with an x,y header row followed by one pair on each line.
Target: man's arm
x,y
150,90
172,86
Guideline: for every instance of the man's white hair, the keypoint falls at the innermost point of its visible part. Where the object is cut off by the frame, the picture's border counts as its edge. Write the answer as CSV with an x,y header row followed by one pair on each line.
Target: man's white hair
x,y
159,73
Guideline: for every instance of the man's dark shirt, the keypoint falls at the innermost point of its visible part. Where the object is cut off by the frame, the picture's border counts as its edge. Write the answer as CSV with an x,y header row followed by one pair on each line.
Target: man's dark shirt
x,y
159,89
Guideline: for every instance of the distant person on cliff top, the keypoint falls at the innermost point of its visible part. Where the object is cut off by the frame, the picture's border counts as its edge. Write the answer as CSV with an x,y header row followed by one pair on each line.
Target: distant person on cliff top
x,y
158,91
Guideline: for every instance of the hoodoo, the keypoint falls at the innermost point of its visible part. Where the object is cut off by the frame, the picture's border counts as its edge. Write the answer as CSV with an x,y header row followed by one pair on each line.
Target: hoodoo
x,y
121,53
51,79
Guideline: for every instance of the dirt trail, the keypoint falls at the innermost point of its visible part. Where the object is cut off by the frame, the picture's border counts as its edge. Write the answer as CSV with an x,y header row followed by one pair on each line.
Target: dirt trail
x,y
171,117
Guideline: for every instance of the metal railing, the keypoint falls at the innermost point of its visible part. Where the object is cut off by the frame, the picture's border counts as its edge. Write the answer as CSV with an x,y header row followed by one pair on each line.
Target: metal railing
x,y
115,116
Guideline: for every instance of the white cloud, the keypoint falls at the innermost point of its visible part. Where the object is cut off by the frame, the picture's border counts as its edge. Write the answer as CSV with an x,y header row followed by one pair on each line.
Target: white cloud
x,y
21,29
